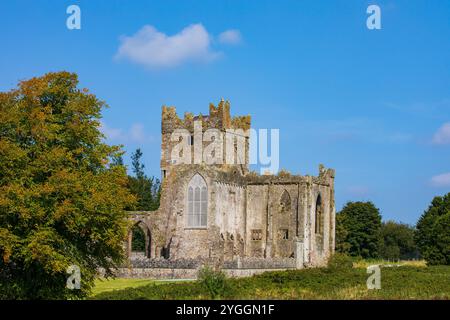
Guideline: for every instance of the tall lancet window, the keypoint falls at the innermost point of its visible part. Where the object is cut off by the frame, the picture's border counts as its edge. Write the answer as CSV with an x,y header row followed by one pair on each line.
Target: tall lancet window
x,y
197,202
285,202
319,215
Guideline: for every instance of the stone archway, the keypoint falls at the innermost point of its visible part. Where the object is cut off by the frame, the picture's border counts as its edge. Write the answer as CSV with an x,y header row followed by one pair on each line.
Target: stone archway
x,y
139,240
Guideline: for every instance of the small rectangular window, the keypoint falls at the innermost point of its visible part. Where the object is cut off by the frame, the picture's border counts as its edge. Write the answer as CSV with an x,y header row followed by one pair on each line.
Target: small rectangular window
x,y
283,234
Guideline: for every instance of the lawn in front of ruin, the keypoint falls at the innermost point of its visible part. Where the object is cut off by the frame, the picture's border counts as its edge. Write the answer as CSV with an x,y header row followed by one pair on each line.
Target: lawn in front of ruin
x,y
411,280
107,285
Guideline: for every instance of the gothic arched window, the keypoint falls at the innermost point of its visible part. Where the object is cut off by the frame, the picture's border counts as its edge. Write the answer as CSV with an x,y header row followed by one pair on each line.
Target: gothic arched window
x,y
319,215
197,202
285,202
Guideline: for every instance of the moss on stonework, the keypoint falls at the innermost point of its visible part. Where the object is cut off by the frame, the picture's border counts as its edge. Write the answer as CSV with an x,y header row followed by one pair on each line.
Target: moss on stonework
x,y
219,117
241,122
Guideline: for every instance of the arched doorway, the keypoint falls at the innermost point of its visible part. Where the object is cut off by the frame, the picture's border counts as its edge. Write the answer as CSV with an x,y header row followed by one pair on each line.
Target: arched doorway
x,y
139,240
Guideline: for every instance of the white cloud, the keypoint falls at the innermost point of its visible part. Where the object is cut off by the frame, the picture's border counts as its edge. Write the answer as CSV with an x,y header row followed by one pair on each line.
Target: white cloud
x,y
155,49
441,180
442,136
136,134
230,37
111,133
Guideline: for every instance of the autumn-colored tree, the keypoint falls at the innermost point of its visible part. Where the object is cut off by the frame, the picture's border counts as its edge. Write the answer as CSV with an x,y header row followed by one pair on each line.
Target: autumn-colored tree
x,y
61,203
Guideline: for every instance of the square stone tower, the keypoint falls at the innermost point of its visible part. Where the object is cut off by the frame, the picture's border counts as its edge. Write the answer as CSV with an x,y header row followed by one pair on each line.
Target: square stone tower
x,y
200,132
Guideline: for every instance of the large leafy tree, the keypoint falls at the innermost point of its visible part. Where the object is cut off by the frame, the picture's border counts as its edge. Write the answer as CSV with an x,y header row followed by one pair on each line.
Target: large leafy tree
x,y
397,241
433,232
61,203
359,225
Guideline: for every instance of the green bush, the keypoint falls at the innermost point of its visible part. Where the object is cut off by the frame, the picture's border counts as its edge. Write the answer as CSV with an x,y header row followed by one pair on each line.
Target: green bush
x,y
213,281
340,261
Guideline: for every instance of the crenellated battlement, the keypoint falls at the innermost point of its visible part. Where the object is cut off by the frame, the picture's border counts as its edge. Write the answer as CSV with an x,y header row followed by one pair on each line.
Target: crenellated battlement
x,y
219,118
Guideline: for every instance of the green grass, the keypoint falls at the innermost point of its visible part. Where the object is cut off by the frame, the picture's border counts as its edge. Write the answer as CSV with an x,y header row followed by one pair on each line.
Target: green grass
x,y
405,282
365,263
105,285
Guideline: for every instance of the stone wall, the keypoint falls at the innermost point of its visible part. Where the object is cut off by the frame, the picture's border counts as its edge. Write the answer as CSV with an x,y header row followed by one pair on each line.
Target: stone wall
x,y
157,268
188,274
260,263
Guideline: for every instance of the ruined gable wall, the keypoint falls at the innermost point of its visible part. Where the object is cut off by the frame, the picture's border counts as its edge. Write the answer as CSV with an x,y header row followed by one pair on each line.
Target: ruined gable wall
x,y
230,200
284,220
322,244
224,234
280,229
189,242
256,220
280,226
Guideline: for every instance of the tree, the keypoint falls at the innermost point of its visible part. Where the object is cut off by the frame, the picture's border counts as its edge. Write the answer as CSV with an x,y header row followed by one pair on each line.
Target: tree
x,y
138,167
397,241
359,225
117,160
61,204
433,232
342,245
146,190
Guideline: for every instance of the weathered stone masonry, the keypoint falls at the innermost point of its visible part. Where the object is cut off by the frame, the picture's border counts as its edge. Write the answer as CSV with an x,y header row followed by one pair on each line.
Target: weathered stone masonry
x,y
225,215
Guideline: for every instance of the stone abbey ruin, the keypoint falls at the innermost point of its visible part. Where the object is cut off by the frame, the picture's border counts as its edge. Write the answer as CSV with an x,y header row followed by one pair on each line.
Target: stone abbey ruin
x,y
229,217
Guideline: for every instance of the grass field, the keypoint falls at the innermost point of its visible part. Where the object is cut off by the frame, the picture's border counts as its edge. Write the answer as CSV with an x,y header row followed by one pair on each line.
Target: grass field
x,y
404,282
365,263
106,285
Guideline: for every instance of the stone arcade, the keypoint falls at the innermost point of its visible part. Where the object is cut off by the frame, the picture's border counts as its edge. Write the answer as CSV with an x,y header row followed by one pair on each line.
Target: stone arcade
x,y
229,217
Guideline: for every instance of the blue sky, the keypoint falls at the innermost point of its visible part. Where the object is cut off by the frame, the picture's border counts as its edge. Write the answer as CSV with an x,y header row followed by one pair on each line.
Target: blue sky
x,y
373,104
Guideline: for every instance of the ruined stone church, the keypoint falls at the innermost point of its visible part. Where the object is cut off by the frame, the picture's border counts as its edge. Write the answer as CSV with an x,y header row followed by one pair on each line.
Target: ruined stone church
x,y
225,213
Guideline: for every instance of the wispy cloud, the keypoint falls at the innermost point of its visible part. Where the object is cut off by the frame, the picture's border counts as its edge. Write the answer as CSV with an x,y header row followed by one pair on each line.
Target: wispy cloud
x,y
230,37
358,191
442,136
155,49
441,180
135,134
356,130
430,110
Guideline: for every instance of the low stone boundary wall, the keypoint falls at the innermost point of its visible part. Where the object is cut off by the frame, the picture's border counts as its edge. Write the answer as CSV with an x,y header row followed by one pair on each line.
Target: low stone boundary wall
x,y
167,273
141,267
156,273
260,263
239,263
144,263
